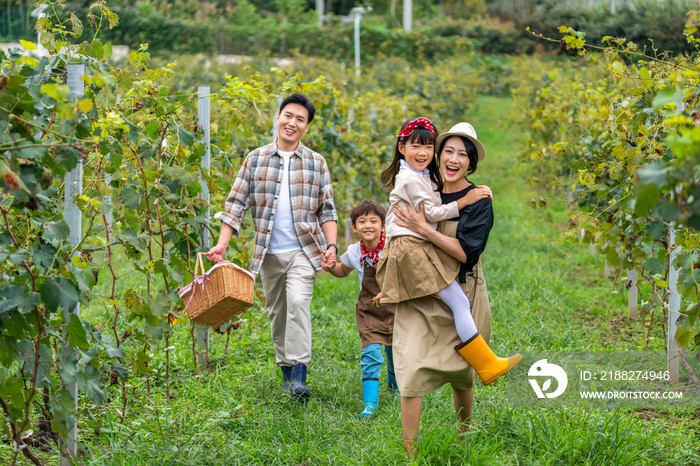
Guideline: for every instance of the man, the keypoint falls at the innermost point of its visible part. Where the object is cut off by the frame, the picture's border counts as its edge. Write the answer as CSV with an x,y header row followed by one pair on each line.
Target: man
x,y
288,189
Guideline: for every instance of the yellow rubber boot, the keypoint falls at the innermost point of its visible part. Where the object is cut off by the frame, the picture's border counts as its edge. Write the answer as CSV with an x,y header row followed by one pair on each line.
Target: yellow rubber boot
x,y
485,363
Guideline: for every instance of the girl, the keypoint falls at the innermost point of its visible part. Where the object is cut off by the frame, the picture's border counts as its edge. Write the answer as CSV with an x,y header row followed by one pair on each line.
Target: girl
x,y
411,267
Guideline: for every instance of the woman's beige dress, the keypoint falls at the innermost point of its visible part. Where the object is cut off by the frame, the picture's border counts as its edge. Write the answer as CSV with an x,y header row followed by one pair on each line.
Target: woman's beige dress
x,y
425,337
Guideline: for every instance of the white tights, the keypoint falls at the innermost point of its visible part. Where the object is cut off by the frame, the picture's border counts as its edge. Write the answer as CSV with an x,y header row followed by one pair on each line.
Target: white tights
x,y
454,297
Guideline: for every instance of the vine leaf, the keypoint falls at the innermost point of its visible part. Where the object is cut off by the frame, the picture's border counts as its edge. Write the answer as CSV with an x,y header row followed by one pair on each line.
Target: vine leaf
x,y
665,96
185,137
55,232
77,337
693,312
77,25
12,295
92,384
59,292
69,368
656,229
63,411
683,336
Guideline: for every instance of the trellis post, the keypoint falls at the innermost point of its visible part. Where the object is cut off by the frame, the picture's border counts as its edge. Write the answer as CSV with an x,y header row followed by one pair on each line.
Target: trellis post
x,y
275,130
674,307
203,113
633,294
320,8
407,15
358,18
74,218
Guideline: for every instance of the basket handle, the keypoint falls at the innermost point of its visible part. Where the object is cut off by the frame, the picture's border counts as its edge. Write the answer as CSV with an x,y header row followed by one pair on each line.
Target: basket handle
x,y
198,263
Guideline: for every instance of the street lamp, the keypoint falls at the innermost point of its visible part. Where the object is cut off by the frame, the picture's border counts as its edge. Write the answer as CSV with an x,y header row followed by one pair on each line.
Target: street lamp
x,y
356,15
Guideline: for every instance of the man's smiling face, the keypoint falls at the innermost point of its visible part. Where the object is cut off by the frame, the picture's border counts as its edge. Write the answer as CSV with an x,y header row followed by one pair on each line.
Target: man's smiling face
x,y
292,124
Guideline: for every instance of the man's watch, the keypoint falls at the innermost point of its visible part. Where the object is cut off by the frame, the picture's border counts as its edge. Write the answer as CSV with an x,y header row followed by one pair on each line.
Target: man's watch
x,y
335,246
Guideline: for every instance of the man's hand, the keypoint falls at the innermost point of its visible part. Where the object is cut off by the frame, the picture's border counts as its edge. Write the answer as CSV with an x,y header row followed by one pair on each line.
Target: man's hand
x,y
329,259
328,266
376,299
216,254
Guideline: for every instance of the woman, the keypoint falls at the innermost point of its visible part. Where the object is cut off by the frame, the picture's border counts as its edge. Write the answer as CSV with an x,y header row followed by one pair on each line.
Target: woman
x,y
424,327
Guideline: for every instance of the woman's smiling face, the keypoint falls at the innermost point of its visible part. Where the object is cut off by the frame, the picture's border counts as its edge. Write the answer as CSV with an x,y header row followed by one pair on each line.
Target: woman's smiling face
x,y
454,161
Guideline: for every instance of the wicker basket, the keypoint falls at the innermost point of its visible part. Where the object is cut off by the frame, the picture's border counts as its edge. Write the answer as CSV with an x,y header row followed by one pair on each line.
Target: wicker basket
x,y
217,296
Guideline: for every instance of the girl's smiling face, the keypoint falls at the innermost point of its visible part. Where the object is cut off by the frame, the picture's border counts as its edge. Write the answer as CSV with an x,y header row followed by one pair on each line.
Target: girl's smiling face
x,y
417,155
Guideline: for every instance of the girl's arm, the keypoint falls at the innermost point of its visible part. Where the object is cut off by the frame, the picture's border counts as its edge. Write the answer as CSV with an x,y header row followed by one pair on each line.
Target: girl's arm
x,y
416,221
473,196
411,189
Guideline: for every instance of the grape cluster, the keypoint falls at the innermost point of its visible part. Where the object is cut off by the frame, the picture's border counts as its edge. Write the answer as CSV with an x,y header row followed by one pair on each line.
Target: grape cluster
x,y
45,436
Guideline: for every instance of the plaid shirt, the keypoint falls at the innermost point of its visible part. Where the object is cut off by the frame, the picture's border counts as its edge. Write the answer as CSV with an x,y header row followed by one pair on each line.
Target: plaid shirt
x,y
257,188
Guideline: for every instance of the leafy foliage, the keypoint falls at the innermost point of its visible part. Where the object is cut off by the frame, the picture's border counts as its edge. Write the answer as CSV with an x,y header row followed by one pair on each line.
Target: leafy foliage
x,y
620,137
135,135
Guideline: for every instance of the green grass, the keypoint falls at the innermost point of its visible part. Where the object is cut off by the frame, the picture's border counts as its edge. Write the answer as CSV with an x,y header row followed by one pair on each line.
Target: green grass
x,y
544,294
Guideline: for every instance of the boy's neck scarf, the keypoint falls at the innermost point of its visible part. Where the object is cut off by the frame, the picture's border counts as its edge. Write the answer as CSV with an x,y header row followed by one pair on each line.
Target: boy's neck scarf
x,y
369,257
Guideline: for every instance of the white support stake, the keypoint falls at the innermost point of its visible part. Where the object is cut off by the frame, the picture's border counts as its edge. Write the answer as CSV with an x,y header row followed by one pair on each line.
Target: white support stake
x,y
674,307
320,10
407,15
348,232
633,294
74,218
203,112
358,18
275,129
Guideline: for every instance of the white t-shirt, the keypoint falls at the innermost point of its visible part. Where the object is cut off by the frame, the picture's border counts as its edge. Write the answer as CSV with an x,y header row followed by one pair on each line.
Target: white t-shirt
x,y
283,237
351,259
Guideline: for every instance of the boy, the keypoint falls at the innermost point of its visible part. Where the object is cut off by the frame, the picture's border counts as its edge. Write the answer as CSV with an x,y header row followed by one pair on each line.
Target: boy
x,y
375,322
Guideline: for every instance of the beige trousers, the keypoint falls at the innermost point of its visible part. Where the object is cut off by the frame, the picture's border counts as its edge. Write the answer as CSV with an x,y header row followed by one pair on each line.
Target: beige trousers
x,y
288,282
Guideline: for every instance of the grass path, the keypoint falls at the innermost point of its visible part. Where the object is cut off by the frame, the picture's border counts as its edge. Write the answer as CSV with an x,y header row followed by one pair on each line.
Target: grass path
x,y
544,295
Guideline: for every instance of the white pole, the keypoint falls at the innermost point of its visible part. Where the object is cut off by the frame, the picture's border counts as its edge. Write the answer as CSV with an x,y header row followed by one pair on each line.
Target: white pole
x,y
203,112
348,232
275,129
674,306
320,9
358,18
351,119
633,294
407,15
74,218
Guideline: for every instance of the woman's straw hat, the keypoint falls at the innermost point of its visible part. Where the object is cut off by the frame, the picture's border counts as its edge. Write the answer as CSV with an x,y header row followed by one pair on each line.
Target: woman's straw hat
x,y
465,130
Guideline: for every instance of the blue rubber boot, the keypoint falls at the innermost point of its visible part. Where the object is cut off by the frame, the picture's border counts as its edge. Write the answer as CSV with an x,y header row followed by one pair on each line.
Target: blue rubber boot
x,y
286,377
391,378
370,393
298,382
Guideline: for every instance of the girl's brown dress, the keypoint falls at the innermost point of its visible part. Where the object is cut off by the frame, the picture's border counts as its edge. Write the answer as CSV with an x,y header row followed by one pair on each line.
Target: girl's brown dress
x,y
424,335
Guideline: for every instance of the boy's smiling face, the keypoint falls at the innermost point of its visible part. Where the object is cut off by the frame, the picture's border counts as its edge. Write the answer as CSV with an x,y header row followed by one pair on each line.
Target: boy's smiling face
x,y
369,228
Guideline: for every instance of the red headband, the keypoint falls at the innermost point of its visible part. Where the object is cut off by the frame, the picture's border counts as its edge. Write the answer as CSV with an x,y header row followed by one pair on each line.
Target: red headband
x,y
413,124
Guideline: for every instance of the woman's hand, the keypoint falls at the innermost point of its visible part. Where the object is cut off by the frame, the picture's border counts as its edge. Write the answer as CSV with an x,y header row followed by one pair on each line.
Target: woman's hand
x,y
216,254
414,221
474,196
